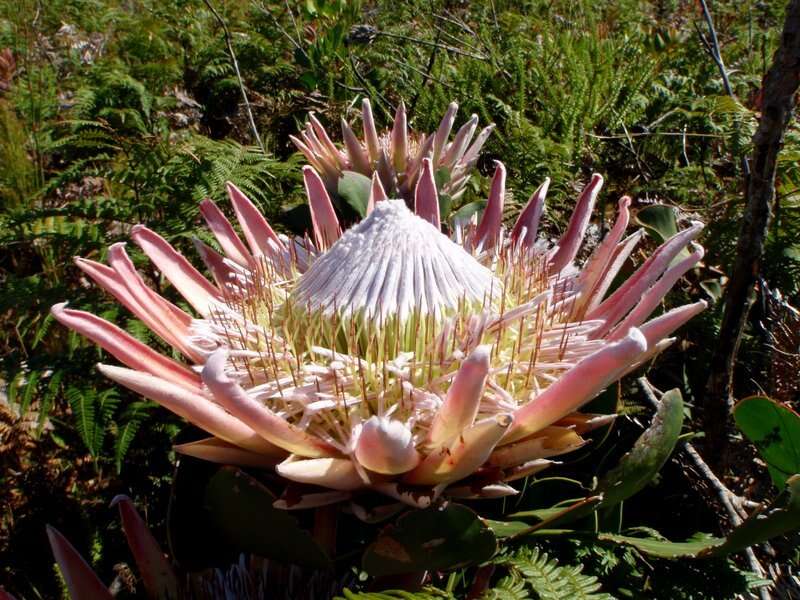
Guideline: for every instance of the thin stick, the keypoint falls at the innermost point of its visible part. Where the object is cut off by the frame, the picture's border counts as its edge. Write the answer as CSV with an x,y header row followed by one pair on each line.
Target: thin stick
x,y
712,47
229,44
780,90
422,42
725,495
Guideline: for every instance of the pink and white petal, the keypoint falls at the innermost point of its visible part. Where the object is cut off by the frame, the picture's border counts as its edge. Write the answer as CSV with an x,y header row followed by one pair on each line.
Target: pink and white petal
x,y
81,581
311,500
330,163
421,497
585,422
125,348
620,256
221,452
577,386
415,166
651,353
489,491
195,408
426,198
108,279
463,399
323,217
376,193
570,242
123,282
443,132
315,160
550,441
229,241
197,290
455,151
155,570
653,297
359,161
222,272
488,230
333,473
471,155
370,132
659,328
170,318
601,259
399,148
527,469
386,446
322,135
464,455
259,235
261,419
622,300
527,226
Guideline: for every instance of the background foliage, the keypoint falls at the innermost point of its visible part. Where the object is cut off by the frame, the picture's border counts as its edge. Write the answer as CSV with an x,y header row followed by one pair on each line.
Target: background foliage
x,y
128,111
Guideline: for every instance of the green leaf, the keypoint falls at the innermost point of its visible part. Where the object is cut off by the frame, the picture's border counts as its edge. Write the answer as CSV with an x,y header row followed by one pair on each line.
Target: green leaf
x,y
638,467
466,211
428,594
354,188
432,539
506,529
663,548
550,518
661,221
780,517
712,287
774,429
241,509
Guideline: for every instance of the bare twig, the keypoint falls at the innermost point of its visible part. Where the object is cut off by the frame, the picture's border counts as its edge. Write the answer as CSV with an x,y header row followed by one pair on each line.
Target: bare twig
x,y
294,42
733,504
780,88
229,44
422,42
402,63
712,47
294,21
384,101
622,136
427,75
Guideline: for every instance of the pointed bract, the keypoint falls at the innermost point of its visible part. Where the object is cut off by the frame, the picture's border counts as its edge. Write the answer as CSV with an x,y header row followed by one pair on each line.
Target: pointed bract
x,y
426,199
154,568
82,583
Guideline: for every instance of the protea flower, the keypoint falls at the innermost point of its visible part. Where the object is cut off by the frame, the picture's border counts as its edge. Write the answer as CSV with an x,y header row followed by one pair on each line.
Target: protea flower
x,y
391,357
396,155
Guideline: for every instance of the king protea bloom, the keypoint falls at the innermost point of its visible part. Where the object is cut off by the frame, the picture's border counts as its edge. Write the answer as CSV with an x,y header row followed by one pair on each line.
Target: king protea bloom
x,y
395,157
391,357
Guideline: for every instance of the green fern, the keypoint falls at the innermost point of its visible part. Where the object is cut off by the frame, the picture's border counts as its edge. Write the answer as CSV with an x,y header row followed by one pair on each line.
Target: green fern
x,y
430,594
511,587
546,578
126,429
93,411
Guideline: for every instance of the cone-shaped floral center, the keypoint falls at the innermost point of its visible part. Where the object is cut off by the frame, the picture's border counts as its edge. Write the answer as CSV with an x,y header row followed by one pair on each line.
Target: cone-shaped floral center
x,y
393,264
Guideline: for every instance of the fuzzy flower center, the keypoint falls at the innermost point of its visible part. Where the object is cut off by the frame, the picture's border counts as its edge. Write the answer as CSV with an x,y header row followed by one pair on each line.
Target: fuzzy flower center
x,y
393,264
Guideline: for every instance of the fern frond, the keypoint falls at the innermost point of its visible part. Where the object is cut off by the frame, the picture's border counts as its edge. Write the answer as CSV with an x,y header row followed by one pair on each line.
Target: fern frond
x,y
547,579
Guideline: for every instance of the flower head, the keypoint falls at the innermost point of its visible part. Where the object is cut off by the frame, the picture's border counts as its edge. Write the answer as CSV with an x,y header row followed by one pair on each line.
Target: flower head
x,y
395,157
391,357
